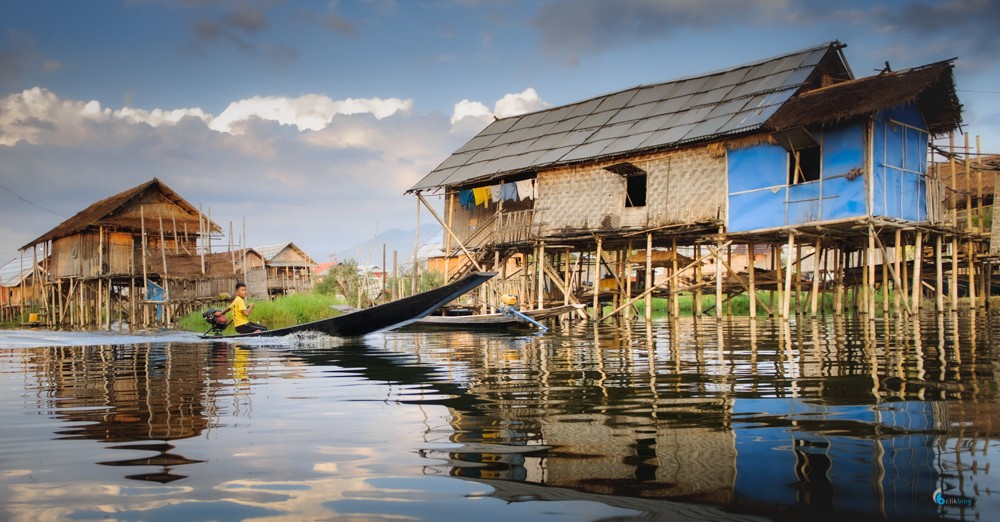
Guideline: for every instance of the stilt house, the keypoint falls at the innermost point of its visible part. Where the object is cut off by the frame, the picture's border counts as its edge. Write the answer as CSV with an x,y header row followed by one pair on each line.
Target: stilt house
x,y
139,257
784,151
288,268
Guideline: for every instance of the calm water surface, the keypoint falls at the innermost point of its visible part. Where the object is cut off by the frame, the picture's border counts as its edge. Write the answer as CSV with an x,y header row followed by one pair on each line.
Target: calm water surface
x,y
690,419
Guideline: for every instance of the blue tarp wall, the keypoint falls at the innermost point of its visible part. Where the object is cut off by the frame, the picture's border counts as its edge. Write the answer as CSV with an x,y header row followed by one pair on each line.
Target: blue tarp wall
x,y
760,196
900,161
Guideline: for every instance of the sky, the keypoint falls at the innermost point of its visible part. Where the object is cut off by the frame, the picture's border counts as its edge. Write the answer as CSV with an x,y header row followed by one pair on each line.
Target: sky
x,y
307,121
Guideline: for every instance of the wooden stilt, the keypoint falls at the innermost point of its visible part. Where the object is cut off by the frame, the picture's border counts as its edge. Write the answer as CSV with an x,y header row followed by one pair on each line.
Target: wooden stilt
x,y
675,298
597,281
718,277
953,286
786,303
915,287
973,302
814,304
649,277
939,286
752,273
540,262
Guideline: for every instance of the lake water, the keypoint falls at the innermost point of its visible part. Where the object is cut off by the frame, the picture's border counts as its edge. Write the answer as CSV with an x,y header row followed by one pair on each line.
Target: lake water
x,y
705,419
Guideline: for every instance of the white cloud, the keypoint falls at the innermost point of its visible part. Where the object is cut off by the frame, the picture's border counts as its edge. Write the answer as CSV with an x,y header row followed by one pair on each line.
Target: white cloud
x,y
519,103
469,117
308,112
38,115
324,189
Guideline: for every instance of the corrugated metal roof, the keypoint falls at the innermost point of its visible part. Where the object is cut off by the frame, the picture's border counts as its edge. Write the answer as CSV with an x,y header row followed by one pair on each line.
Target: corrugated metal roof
x,y
12,273
646,117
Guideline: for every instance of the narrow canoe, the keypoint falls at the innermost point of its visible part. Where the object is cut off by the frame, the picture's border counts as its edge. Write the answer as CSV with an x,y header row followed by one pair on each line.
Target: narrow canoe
x,y
382,317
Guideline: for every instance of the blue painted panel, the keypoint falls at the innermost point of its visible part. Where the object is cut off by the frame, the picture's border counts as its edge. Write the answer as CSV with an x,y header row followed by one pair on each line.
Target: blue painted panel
x,y
893,146
914,197
803,203
908,114
843,198
915,153
879,203
757,167
893,193
843,150
756,210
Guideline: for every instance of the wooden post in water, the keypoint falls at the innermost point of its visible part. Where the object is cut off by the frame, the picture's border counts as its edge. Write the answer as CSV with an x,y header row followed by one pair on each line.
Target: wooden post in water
x,y
718,276
776,268
787,301
597,281
675,298
628,280
973,304
814,303
540,265
649,276
916,287
752,273
939,280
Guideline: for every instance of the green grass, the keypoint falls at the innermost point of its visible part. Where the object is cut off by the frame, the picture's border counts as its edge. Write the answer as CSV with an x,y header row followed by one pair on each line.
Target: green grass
x,y
279,313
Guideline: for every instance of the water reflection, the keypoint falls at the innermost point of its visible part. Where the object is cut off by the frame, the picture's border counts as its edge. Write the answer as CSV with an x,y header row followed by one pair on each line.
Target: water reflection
x,y
698,418
864,418
139,397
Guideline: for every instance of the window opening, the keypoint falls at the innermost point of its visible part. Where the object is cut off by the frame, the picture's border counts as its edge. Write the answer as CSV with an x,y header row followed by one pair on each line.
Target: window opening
x,y
635,183
803,154
803,166
635,191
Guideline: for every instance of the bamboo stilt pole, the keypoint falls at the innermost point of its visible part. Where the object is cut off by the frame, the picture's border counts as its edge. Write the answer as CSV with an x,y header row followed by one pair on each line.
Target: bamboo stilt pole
x,y
697,291
597,280
870,289
675,299
814,303
628,279
973,302
786,303
953,286
145,277
718,278
917,262
897,293
939,280
752,274
649,277
539,262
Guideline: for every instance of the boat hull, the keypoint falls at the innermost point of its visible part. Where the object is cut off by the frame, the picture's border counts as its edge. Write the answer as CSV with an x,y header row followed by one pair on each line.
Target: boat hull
x,y
382,317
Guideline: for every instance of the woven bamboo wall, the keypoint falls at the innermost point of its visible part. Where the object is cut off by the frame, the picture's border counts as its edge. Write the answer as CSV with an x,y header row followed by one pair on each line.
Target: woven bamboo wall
x,y
579,199
685,186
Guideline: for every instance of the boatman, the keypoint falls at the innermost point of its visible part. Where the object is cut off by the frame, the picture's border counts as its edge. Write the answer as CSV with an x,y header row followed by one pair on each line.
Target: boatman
x,y
241,312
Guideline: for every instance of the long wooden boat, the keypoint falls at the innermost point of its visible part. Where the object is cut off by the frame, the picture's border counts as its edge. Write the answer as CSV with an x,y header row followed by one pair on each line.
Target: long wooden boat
x,y
496,320
382,317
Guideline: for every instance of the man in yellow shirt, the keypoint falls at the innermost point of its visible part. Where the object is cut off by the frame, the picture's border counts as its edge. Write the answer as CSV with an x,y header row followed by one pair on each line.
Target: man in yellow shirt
x,y
241,312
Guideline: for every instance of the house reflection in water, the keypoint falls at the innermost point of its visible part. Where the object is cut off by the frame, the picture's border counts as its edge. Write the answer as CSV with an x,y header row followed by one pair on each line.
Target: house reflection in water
x,y
138,397
764,428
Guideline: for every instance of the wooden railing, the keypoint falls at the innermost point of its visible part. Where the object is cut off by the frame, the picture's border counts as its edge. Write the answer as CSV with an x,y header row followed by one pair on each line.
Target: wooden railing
x,y
511,227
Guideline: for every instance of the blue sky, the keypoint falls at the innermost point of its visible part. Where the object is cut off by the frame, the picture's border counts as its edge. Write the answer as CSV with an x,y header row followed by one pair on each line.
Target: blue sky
x,y
309,120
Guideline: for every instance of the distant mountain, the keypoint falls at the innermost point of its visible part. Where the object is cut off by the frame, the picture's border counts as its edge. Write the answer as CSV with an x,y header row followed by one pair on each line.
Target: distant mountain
x,y
400,241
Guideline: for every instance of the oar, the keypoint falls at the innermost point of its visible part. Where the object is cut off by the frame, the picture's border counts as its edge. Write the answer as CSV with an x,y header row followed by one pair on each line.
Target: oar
x,y
509,310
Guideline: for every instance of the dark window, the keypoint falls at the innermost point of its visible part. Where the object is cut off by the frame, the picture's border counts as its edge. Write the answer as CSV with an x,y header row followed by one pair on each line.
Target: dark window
x,y
803,165
635,191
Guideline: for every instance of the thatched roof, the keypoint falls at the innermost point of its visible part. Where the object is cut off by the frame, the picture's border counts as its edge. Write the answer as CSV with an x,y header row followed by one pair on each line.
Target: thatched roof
x,y
219,264
641,119
103,213
931,87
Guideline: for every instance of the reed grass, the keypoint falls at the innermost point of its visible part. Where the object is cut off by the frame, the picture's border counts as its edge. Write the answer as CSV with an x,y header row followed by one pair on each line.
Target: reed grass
x,y
281,312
